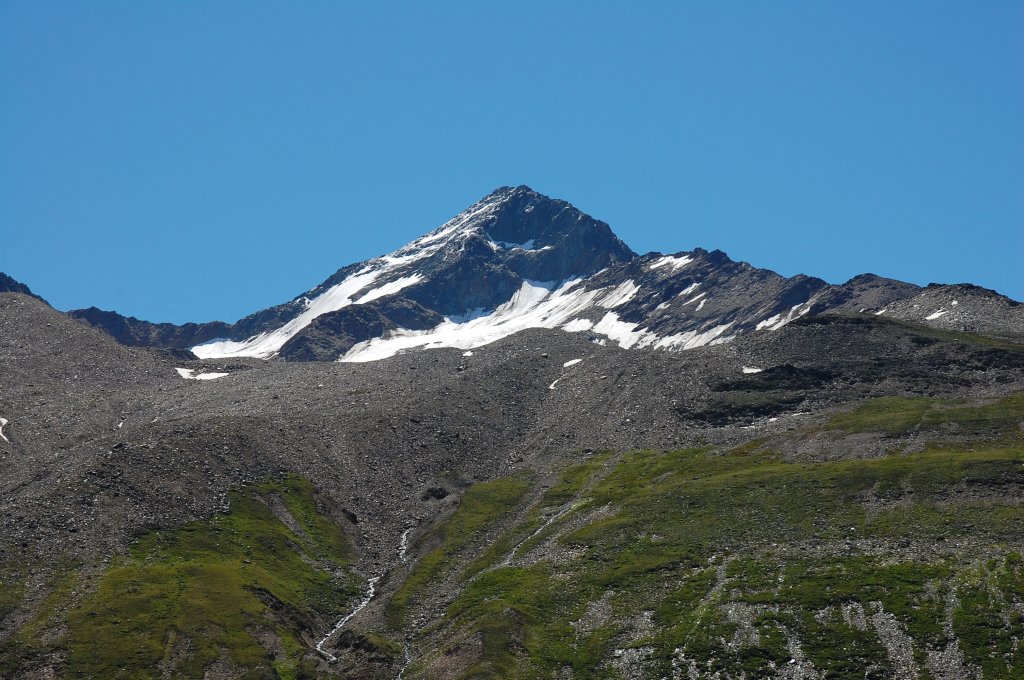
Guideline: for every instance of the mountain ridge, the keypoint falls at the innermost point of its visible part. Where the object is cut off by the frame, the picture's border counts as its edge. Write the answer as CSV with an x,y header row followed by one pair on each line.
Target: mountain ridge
x,y
507,262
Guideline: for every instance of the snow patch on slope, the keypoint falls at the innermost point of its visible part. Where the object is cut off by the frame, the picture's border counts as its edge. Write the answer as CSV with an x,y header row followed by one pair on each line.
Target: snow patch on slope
x,y
526,245
578,325
535,305
389,288
190,374
774,323
266,345
622,332
620,295
689,289
671,261
691,339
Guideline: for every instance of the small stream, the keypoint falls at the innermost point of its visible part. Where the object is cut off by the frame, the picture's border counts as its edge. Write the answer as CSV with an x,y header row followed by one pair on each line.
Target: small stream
x,y
371,590
407,654
403,544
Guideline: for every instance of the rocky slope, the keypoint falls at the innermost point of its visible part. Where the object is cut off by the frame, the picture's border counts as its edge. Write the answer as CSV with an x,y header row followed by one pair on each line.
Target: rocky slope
x,y
253,501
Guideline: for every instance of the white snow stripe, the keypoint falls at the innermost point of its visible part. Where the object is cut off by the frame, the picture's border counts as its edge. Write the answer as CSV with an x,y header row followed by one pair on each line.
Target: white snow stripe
x,y
619,295
190,374
671,261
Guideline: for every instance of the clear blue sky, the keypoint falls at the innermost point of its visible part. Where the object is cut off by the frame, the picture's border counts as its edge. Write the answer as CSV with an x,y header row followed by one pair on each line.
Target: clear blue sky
x,y
201,160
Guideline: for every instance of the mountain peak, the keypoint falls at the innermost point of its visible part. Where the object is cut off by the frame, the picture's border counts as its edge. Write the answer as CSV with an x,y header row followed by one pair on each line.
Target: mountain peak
x,y
505,192
517,259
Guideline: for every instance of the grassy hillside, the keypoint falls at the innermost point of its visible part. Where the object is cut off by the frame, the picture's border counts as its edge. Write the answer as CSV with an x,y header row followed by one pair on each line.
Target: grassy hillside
x,y
736,562
242,591
710,562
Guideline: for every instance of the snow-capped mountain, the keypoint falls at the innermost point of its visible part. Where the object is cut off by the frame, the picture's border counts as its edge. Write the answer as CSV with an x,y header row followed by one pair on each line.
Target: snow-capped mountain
x,y
517,260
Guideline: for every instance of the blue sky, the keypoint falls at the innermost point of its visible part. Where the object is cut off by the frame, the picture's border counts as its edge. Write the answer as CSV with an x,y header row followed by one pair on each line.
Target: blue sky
x,y
195,161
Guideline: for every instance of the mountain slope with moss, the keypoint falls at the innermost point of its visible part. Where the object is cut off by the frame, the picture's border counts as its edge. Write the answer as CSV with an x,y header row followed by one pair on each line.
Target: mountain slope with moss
x,y
744,562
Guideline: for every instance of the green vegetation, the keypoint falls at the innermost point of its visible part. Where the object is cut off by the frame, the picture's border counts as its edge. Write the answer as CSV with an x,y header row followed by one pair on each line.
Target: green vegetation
x,y
12,588
480,506
731,561
990,618
33,637
572,482
736,559
212,590
899,415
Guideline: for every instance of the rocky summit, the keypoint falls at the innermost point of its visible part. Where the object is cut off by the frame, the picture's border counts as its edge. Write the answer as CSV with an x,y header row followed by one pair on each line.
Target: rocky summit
x,y
515,448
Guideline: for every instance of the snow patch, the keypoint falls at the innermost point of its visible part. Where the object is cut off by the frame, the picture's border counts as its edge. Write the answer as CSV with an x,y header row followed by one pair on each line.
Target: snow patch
x,y
527,245
190,374
751,369
578,325
696,297
620,295
671,261
689,289
389,288
571,362
774,323
467,353
534,305
936,315
3,424
403,544
622,332
701,305
267,344
691,339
